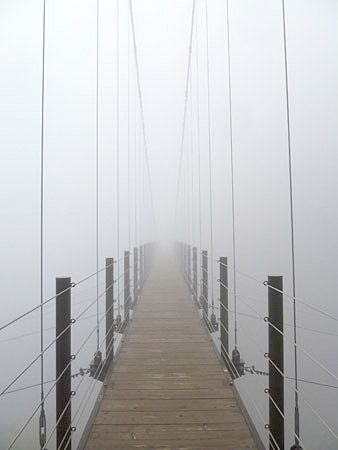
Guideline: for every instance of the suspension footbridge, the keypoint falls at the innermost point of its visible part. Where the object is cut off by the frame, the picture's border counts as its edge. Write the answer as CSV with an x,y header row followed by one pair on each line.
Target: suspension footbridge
x,y
221,341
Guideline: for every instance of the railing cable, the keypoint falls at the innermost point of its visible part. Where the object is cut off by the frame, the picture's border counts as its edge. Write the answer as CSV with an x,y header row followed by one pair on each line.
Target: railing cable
x,y
296,299
266,355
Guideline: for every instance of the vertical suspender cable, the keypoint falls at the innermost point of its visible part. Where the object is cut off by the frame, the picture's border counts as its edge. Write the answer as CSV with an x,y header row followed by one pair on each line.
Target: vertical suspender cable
x,y
192,167
97,178
140,181
135,150
141,110
144,203
187,176
232,170
210,162
128,70
118,148
42,422
185,106
297,427
198,134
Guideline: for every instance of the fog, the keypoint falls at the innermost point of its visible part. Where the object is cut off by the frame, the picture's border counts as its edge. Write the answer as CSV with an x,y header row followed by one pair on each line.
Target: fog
x,y
136,206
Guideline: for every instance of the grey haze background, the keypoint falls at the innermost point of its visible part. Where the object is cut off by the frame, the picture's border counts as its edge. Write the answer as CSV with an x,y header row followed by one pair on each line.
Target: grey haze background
x,y
260,162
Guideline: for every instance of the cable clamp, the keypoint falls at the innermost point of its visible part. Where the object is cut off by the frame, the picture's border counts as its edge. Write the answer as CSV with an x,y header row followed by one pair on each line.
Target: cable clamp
x,y
72,357
266,355
266,319
267,390
72,321
72,429
267,426
266,283
72,284
42,428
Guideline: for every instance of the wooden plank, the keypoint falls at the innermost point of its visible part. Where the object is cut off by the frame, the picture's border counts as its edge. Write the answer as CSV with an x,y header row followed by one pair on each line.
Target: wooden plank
x,y
204,369
160,376
211,444
169,384
187,431
145,394
167,417
167,405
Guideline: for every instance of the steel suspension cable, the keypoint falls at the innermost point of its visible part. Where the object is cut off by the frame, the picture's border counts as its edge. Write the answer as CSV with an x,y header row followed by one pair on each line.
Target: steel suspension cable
x,y
198,132
97,173
210,159
185,105
128,82
232,168
187,178
42,421
135,156
141,109
118,139
292,229
192,165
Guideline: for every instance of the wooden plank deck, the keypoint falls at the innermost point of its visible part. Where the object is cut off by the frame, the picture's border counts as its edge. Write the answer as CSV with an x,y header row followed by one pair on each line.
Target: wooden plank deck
x,y
168,389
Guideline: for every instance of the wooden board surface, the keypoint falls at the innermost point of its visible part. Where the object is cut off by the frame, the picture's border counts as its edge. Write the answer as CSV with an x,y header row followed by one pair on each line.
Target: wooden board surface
x,y
168,389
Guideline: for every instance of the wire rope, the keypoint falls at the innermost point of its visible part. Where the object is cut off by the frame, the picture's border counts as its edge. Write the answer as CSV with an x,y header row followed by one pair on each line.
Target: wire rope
x,y
185,106
292,228
118,134
232,166
209,157
97,170
42,422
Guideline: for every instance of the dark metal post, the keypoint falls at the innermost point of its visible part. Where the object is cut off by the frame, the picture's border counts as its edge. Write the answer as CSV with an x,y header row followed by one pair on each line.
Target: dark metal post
x,y
189,267
276,355
126,287
63,366
183,259
224,313
204,297
194,273
135,274
146,261
141,268
109,310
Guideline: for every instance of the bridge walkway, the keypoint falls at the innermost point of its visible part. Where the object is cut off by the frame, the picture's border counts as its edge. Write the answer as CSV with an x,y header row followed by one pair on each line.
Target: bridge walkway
x,y
168,389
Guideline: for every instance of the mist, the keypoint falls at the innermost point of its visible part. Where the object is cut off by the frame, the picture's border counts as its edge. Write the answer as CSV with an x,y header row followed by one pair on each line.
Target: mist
x,y
169,182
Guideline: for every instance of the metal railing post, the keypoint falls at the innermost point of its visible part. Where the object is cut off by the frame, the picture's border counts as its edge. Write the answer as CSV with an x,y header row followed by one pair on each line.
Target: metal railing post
x,y
109,311
224,313
126,288
136,283
141,269
189,278
63,366
194,273
204,296
276,362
